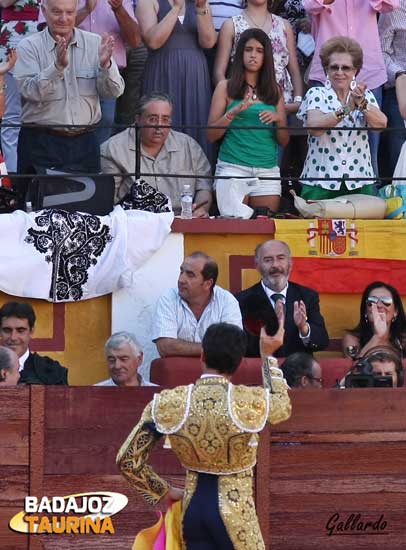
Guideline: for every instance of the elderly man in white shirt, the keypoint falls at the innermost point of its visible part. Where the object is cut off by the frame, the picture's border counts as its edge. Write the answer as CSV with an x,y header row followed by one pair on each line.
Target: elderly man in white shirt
x,y
124,355
182,316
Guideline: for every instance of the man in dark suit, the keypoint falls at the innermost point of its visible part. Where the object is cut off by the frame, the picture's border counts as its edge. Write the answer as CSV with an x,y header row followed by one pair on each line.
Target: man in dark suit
x,y
262,303
17,321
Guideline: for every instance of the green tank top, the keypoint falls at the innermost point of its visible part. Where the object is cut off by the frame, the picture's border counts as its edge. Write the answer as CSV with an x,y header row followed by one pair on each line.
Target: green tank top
x,y
257,148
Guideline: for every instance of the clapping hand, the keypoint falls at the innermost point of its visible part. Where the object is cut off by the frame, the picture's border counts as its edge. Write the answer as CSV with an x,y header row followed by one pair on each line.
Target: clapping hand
x,y
245,103
115,4
9,64
106,50
300,317
62,57
267,117
90,5
358,93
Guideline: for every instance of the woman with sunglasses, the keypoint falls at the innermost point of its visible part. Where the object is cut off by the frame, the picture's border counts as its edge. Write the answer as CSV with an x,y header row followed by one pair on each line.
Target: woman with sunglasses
x,y
336,157
382,321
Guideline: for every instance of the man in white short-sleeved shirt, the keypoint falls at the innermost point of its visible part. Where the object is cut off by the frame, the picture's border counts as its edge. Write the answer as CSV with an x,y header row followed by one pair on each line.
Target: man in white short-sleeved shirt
x,y
183,315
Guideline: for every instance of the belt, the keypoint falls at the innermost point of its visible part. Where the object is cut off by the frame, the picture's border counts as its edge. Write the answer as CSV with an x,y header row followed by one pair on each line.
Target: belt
x,y
70,133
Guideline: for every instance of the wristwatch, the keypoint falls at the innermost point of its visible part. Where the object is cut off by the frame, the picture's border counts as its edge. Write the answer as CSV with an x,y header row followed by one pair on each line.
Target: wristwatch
x,y
202,12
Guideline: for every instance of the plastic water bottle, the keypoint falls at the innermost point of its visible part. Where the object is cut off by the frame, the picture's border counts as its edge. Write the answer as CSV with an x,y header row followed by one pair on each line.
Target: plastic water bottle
x,y
186,202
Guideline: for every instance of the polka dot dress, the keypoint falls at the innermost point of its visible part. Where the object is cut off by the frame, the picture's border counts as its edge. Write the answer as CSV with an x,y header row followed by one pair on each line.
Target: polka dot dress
x,y
337,154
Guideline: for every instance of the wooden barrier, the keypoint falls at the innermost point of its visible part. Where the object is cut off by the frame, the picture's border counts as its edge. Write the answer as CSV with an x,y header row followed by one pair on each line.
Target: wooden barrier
x,y
174,371
338,463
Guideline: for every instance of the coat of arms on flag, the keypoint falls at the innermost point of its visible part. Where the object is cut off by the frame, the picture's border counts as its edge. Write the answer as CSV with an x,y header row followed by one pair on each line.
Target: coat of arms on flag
x,y
329,238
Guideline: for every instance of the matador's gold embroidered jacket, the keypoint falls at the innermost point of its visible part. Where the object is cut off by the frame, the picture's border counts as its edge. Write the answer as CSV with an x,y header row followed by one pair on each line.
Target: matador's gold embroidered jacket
x,y
213,427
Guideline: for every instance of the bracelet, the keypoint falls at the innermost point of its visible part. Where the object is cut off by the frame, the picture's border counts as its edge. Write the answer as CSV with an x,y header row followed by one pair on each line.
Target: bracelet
x,y
230,118
363,105
339,114
297,99
202,12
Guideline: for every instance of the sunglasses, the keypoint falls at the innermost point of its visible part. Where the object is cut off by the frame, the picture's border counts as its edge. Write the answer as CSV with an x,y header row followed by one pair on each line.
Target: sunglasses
x,y
385,300
344,68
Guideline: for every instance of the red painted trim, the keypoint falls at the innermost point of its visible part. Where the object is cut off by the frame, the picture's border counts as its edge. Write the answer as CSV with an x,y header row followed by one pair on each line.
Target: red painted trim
x,y
249,227
57,342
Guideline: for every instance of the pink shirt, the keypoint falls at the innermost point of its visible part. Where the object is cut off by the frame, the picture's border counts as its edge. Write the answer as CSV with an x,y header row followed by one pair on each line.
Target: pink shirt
x,y
102,19
356,19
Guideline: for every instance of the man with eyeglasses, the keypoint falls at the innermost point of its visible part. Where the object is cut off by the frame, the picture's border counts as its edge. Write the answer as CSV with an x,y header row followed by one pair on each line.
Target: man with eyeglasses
x,y
169,154
302,371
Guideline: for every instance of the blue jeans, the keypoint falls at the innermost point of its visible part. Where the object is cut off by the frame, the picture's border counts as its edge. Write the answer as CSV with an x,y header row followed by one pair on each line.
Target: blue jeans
x,y
391,142
108,109
12,115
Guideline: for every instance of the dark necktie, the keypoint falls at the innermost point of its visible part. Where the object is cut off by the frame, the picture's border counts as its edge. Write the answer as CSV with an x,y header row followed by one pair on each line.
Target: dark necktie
x,y
276,297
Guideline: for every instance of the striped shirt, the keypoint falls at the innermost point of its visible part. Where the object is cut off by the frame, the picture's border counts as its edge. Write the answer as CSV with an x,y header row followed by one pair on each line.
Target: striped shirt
x,y
174,319
392,30
222,10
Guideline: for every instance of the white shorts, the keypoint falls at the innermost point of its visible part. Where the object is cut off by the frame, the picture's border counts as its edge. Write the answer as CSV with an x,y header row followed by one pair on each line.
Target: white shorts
x,y
231,192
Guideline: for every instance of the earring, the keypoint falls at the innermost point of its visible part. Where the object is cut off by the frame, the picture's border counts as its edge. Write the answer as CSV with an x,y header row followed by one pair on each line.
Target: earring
x,y
353,84
394,319
366,318
327,83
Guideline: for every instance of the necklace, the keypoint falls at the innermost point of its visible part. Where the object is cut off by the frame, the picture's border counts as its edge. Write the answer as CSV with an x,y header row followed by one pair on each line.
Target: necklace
x,y
254,91
256,24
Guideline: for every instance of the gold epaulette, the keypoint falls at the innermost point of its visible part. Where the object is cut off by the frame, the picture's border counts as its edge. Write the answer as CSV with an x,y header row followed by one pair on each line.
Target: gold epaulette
x,y
248,407
170,409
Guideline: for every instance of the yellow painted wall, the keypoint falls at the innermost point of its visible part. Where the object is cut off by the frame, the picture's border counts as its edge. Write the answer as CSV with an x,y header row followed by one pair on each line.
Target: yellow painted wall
x,y
87,327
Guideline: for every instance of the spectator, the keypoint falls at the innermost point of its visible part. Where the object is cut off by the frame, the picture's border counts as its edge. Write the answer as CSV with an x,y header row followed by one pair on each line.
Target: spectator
x,y
356,19
302,371
251,97
401,94
124,356
175,36
183,315
304,324
61,73
115,17
18,20
163,151
373,369
256,15
17,323
338,156
392,29
5,67
385,363
9,367
382,321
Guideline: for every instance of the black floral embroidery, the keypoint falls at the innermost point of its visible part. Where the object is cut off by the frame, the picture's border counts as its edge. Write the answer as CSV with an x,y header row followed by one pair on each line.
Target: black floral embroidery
x,y
143,196
71,242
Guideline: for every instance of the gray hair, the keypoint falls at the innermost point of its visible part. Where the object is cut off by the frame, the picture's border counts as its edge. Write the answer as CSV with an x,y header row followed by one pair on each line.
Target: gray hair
x,y
117,339
6,358
153,96
259,247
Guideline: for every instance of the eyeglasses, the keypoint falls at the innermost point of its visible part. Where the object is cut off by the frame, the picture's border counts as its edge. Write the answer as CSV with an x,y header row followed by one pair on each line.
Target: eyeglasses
x,y
345,68
311,377
385,300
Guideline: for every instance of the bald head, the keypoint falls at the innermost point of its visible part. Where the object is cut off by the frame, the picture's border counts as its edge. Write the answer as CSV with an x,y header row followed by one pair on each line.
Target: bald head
x,y
273,260
9,367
